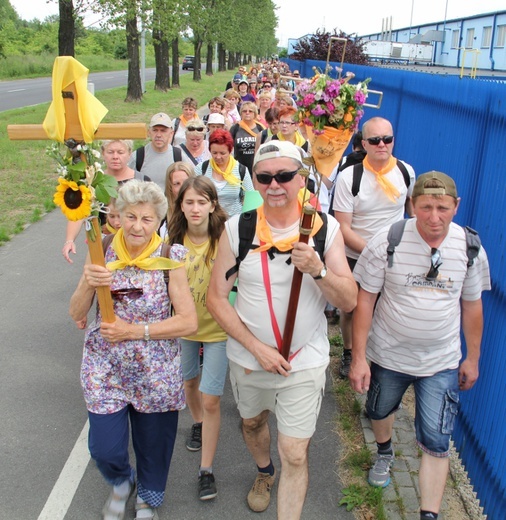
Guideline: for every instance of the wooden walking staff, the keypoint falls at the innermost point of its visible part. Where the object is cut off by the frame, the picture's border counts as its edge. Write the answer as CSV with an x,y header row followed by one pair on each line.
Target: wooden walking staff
x,y
76,114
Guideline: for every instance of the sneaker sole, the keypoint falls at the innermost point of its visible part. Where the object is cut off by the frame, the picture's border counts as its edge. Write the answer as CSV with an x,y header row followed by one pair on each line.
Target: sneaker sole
x,y
379,484
208,497
193,449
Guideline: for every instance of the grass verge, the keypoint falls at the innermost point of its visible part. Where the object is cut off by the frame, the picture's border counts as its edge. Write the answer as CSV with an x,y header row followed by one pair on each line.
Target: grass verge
x,y
365,501
28,177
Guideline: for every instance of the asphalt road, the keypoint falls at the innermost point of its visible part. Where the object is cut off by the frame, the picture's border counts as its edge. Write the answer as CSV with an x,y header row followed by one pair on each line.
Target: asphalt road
x,y
46,471
27,92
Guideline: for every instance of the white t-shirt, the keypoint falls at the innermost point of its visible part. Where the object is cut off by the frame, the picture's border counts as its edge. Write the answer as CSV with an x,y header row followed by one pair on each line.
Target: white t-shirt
x,y
310,332
416,323
371,208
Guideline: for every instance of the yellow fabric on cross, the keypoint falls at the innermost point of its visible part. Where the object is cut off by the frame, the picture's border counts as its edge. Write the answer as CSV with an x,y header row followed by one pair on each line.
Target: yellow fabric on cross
x,y
143,261
67,70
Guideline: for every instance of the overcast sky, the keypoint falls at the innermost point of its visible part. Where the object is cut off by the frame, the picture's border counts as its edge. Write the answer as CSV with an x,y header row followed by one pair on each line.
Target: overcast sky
x,y
300,17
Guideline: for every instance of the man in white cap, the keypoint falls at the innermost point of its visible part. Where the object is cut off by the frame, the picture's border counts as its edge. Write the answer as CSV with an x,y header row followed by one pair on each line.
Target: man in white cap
x,y
214,122
262,380
151,161
430,277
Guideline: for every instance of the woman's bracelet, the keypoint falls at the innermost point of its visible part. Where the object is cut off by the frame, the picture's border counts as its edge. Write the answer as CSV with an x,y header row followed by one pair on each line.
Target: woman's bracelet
x,y
68,242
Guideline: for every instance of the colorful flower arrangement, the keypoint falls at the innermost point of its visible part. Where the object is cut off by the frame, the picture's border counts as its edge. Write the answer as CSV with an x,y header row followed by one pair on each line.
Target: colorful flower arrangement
x,y
324,101
83,188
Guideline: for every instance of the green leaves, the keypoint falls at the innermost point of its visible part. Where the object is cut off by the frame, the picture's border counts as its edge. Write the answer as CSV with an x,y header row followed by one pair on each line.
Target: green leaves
x,y
105,187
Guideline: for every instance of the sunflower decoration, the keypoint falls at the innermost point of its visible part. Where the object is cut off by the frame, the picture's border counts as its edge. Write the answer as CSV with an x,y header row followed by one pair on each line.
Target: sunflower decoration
x,y
83,188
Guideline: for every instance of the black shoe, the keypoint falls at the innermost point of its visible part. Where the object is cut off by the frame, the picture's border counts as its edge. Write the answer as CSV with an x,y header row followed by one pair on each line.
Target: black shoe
x,y
344,369
194,440
207,486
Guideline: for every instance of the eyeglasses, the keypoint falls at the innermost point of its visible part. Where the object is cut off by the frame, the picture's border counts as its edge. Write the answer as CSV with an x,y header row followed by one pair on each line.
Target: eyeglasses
x,y
436,262
132,293
280,178
375,141
267,86
287,123
195,129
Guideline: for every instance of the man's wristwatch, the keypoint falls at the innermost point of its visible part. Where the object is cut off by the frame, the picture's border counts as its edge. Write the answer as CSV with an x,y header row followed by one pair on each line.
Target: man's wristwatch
x,y
147,337
322,274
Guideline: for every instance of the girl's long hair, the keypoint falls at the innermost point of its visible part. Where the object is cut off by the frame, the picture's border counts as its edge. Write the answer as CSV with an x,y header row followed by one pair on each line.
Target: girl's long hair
x,y
178,225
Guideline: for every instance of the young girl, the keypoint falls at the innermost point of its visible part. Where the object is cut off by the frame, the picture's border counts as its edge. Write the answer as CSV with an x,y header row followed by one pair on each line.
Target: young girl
x,y
197,222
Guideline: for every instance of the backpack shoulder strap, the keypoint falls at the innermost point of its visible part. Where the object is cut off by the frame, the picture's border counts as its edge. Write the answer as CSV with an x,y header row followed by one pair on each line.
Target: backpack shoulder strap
x,y
473,243
394,238
107,241
242,171
263,136
178,156
358,171
321,236
404,172
234,130
305,146
140,153
175,126
247,227
205,165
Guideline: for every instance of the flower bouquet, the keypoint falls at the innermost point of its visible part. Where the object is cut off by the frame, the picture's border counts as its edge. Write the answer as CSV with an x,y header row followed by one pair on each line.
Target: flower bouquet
x,y
83,188
331,110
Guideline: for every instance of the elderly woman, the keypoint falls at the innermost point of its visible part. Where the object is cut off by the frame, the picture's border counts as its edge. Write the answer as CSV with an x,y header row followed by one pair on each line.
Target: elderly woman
x,y
232,97
264,102
216,105
245,134
189,106
230,178
195,147
115,154
131,369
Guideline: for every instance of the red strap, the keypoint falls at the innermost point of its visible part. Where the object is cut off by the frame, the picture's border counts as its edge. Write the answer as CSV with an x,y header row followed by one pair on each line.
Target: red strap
x,y
267,285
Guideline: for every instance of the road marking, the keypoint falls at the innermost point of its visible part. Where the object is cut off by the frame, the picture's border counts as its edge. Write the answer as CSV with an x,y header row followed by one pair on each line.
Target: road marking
x,y
16,90
66,486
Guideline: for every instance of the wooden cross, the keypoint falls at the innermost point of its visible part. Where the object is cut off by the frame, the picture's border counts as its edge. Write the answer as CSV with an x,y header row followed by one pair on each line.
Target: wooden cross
x,y
73,130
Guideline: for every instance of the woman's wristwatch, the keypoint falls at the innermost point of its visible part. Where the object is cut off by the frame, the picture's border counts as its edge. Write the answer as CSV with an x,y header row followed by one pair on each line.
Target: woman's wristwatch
x,y
147,337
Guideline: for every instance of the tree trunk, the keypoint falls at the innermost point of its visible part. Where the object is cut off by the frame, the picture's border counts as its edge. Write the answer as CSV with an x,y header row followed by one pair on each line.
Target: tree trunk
x,y
231,60
222,58
197,46
66,28
134,88
161,46
175,62
209,60
238,59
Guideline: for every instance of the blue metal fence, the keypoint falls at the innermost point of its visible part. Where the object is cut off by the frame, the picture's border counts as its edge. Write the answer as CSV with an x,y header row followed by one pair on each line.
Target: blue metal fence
x,y
458,126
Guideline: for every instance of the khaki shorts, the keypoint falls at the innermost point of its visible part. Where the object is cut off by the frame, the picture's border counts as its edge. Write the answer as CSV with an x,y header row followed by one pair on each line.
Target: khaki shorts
x,y
296,400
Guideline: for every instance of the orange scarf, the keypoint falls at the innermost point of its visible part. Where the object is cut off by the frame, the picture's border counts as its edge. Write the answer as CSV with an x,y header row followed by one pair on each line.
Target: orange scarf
x,y
264,233
390,190
245,127
186,121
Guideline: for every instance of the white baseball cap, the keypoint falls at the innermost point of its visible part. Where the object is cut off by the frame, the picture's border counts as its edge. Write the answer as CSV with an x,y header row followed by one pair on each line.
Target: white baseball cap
x,y
275,149
216,119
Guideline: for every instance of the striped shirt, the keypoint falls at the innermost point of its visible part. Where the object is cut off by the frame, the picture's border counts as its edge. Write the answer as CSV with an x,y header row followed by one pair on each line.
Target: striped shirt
x,y
416,323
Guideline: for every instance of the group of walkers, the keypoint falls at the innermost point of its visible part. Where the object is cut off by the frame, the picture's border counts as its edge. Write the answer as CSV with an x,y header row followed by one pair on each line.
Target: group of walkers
x,y
200,287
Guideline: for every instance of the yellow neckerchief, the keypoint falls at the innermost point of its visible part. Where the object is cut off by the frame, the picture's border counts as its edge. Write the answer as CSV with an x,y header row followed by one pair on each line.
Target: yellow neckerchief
x,y
246,128
264,233
227,174
109,228
390,190
185,121
299,140
143,261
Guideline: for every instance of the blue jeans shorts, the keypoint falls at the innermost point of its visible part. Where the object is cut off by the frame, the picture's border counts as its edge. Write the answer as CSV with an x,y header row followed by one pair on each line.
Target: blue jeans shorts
x,y
436,398
214,370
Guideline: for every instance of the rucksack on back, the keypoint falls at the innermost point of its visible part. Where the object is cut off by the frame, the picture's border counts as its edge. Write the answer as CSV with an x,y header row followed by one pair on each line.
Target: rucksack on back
x,y
140,155
247,229
358,171
473,242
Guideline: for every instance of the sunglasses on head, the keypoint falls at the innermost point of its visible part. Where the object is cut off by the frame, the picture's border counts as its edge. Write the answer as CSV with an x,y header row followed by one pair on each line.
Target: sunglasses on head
x,y
435,264
375,141
280,178
196,129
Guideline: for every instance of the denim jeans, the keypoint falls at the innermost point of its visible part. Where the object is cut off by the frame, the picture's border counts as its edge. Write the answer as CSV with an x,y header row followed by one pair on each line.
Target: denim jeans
x,y
436,398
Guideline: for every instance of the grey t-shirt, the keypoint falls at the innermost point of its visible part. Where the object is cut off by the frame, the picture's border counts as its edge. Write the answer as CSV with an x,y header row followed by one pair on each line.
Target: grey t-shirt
x,y
155,164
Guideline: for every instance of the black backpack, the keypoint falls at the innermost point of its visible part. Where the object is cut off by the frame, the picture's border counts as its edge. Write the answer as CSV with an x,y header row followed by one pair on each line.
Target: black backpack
x,y
396,231
140,154
358,171
247,228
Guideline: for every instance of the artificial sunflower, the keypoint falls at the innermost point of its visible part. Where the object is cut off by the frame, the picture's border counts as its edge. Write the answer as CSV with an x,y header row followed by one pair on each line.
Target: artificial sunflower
x,y
74,199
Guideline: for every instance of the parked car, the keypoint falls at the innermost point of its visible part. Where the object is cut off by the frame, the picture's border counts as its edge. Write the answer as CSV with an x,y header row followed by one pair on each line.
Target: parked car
x,y
188,62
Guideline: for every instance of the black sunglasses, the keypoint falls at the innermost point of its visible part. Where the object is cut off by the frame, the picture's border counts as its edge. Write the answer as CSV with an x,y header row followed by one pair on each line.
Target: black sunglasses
x,y
435,264
281,178
132,293
195,129
375,141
